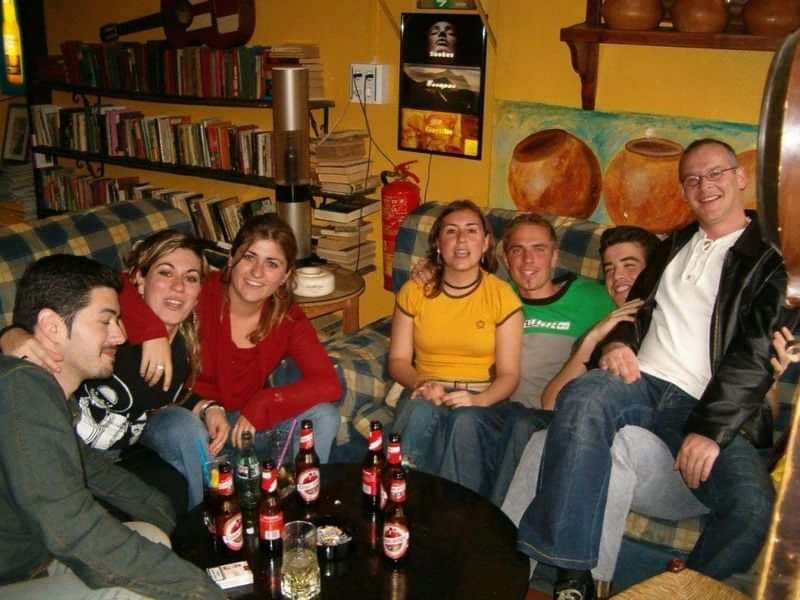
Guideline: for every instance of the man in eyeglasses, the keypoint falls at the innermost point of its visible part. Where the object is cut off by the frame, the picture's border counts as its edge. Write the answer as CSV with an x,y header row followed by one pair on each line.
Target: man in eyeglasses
x,y
693,368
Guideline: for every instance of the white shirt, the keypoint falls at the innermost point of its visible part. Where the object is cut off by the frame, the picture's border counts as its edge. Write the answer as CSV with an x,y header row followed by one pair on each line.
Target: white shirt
x,y
676,347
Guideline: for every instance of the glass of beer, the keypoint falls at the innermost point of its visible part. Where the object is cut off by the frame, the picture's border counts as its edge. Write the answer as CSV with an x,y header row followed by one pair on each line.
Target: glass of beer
x,y
300,579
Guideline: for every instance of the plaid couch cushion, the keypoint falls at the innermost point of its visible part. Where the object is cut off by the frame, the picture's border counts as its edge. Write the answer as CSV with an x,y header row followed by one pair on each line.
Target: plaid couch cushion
x,y
104,233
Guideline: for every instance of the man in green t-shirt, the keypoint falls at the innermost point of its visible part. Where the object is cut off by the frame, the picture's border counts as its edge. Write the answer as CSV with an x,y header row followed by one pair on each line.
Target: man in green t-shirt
x,y
557,314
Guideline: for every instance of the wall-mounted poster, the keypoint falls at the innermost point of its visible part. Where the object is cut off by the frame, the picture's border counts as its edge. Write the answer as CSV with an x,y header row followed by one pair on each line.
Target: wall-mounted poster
x,y
443,60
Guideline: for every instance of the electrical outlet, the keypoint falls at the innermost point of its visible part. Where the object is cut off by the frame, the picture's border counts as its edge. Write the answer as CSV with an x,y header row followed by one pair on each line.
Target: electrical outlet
x,y
369,83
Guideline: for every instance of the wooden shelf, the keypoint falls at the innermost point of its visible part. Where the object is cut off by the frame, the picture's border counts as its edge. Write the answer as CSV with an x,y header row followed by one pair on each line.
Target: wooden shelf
x,y
205,172
584,41
86,90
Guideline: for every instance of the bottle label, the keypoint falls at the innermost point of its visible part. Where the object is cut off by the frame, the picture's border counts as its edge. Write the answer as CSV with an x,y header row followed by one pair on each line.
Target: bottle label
x,y
270,526
230,530
269,482
308,484
225,486
393,454
396,540
369,481
375,441
307,439
397,492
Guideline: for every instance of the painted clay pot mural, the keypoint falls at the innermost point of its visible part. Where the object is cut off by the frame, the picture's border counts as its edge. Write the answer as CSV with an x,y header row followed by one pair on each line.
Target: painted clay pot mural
x,y
635,15
641,187
747,160
700,16
771,17
554,172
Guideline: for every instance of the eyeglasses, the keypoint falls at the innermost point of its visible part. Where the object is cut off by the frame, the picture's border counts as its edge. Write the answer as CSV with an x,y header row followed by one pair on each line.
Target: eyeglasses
x,y
694,181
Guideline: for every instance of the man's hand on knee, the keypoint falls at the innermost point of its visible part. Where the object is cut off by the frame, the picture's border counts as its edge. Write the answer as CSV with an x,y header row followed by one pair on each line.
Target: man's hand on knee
x,y
696,458
620,360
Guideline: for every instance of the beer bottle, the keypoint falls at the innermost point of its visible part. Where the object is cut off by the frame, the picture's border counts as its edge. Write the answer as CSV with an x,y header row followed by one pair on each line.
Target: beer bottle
x,y
210,497
248,473
394,458
306,466
372,469
396,534
270,513
229,516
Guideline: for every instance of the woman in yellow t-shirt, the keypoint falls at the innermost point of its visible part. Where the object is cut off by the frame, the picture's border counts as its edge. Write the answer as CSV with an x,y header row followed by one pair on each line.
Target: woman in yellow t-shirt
x,y
455,349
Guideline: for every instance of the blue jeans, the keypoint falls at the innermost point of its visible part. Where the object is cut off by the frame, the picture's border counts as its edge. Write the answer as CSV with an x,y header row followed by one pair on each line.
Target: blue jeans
x,y
458,444
324,416
181,439
520,426
562,525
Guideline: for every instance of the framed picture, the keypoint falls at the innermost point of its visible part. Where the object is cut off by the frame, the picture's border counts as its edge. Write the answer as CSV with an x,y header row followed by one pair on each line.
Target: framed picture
x,y
16,142
443,62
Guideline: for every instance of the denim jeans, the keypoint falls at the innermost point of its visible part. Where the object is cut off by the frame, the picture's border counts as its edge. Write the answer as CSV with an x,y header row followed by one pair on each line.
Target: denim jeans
x,y
562,525
324,416
642,479
459,444
181,439
520,426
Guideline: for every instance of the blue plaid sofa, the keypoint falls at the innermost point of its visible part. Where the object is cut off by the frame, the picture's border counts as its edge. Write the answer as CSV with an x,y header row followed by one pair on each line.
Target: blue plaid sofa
x,y
104,234
362,359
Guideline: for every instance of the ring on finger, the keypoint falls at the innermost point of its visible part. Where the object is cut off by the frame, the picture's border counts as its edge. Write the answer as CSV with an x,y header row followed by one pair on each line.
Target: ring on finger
x,y
159,367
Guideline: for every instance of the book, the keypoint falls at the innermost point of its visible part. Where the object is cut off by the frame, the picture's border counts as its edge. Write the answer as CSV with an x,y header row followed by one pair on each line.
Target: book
x,y
348,254
322,228
364,185
340,167
339,242
345,210
352,178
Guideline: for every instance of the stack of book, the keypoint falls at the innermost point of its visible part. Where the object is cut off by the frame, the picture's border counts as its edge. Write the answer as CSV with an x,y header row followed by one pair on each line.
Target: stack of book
x,y
340,233
341,165
306,55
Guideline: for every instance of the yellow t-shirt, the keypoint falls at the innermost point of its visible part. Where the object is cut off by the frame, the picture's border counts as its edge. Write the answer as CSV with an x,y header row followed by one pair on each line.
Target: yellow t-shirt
x,y
454,338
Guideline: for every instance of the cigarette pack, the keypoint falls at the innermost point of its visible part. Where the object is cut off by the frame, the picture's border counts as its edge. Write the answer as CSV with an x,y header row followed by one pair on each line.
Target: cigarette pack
x,y
231,575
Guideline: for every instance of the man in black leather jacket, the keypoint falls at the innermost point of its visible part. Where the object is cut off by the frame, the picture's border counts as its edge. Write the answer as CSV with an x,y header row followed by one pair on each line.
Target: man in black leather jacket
x,y
693,368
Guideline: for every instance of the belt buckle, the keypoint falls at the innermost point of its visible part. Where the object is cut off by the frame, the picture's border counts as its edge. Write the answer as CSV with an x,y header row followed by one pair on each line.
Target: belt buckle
x,y
461,385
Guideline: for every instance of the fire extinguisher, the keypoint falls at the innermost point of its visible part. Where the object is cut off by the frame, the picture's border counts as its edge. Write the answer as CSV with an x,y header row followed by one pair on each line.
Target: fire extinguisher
x,y
398,198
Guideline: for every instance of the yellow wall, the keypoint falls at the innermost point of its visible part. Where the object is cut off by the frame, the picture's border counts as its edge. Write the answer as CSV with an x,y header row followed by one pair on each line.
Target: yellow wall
x,y
528,63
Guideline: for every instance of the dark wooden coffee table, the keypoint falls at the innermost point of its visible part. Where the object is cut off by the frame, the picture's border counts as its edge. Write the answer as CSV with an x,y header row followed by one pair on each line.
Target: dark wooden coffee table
x,y
462,546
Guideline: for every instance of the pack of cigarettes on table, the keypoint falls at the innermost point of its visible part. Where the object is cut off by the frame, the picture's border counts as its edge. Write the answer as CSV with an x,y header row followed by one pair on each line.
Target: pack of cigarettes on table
x,y
231,575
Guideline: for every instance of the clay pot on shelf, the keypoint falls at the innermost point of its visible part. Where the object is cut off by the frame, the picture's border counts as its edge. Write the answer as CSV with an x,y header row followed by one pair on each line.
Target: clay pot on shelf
x,y
700,16
554,172
771,17
641,186
634,15
747,160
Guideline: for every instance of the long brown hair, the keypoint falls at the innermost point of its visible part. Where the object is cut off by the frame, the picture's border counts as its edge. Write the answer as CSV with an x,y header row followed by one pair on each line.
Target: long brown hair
x,y
488,260
146,253
266,227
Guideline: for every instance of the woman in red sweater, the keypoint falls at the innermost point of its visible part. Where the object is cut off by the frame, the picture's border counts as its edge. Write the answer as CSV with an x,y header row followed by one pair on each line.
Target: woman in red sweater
x,y
248,324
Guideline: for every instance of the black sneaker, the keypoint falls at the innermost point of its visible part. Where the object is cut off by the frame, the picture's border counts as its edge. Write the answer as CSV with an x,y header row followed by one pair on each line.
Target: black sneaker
x,y
574,586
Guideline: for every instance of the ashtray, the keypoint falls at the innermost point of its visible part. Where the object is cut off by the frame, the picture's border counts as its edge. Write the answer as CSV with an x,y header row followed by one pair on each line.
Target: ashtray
x,y
334,537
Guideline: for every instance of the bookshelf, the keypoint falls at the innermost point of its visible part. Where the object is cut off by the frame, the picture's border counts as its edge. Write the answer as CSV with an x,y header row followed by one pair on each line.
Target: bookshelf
x,y
82,94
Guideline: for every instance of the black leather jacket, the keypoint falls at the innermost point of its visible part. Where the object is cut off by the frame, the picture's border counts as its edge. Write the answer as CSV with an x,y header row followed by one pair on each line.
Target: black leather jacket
x,y
747,310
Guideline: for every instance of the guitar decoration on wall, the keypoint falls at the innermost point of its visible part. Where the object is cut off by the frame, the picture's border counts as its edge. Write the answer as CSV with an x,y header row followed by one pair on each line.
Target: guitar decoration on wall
x,y
216,23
